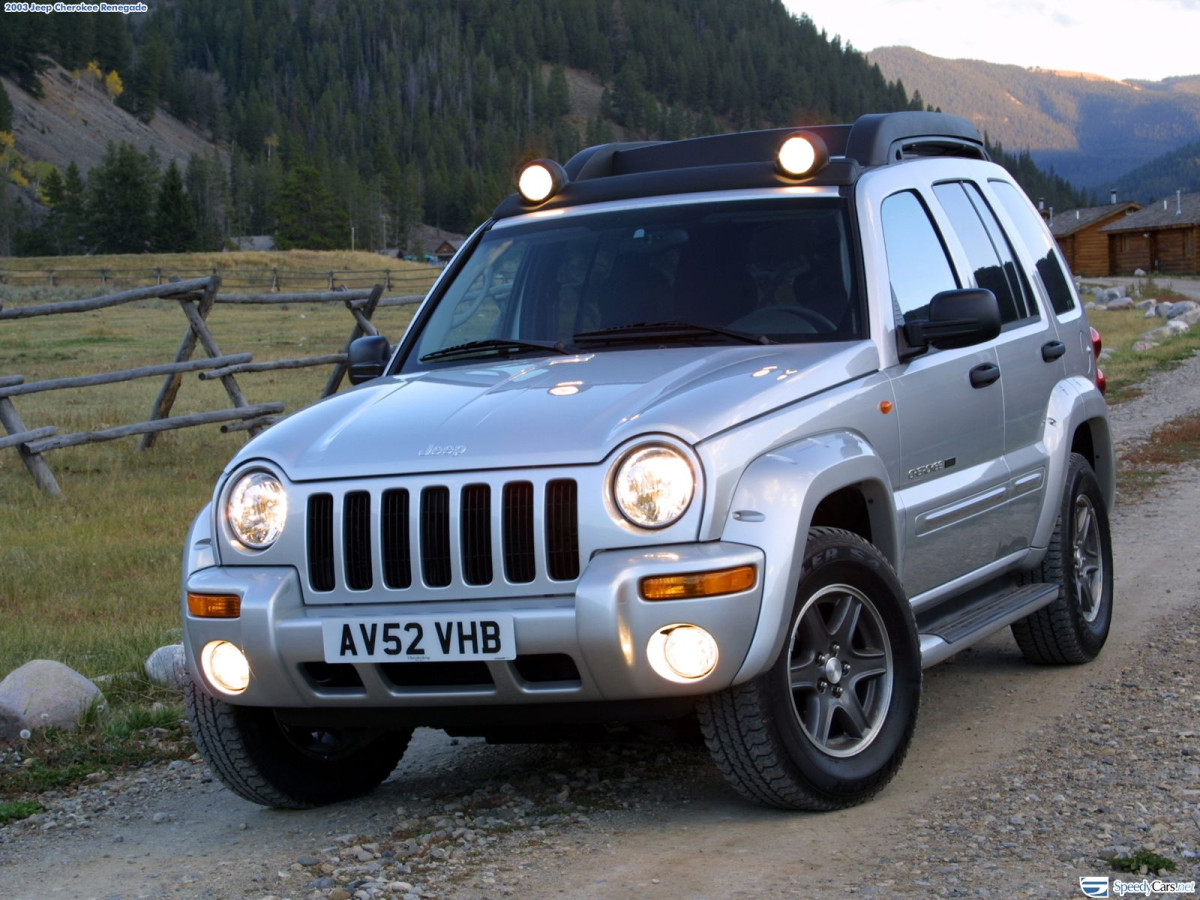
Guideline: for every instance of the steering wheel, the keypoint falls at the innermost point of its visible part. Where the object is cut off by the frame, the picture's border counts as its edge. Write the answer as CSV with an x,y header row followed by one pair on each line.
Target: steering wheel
x,y
756,321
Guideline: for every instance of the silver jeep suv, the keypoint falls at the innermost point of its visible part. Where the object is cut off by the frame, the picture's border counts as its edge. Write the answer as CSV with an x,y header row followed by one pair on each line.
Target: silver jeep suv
x,y
743,430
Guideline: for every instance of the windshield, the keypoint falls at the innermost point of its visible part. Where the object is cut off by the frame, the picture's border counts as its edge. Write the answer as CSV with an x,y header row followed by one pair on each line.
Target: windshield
x,y
757,271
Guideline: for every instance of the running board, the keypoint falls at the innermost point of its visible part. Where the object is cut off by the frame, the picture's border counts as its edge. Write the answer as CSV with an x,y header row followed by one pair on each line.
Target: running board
x,y
947,634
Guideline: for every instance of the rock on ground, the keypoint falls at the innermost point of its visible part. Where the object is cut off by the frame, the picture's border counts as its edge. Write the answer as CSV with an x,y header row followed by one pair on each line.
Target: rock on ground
x,y
167,666
43,693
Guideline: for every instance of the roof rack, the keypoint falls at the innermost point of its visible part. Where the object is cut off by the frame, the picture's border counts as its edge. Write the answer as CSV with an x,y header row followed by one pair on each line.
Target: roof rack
x,y
747,159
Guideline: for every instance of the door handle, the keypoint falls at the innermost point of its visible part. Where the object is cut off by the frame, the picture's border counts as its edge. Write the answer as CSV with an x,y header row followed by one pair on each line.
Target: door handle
x,y
985,374
1053,350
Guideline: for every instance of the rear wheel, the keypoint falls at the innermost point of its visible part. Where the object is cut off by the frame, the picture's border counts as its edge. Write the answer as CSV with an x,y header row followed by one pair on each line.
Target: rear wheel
x,y
1074,627
289,767
828,725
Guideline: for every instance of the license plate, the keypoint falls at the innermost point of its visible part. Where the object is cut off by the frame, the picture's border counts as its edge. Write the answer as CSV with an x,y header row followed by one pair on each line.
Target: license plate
x,y
419,639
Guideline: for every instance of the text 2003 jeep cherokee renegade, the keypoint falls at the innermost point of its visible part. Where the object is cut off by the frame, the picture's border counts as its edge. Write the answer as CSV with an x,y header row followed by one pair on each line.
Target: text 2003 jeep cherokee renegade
x,y
749,427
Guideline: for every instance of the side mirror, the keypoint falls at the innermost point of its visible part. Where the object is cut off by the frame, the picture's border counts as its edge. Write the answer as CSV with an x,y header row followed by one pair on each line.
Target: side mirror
x,y
367,358
957,318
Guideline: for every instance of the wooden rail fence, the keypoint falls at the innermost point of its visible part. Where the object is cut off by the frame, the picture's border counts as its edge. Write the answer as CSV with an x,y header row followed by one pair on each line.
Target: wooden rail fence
x,y
409,279
196,298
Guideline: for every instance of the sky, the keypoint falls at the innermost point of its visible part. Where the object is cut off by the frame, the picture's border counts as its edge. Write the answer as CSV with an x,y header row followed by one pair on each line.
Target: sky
x,y
1143,39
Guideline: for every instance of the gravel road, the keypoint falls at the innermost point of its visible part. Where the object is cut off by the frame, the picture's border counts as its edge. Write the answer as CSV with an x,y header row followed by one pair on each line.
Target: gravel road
x,y
1019,780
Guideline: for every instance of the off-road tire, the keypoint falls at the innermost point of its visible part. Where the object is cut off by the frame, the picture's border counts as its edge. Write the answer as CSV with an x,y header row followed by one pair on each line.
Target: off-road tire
x,y
761,733
265,762
1074,627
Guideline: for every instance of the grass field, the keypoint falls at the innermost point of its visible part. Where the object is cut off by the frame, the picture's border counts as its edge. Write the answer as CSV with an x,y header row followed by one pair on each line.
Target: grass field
x,y
92,580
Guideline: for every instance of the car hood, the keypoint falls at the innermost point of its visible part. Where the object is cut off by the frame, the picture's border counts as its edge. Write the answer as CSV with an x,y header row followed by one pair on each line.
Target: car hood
x,y
560,410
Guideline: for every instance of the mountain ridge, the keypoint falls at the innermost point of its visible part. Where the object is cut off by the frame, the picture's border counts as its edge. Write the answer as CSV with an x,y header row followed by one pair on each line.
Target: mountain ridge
x,y
1090,129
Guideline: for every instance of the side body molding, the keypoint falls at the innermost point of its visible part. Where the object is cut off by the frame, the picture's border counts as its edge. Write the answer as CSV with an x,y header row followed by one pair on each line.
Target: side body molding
x,y
773,507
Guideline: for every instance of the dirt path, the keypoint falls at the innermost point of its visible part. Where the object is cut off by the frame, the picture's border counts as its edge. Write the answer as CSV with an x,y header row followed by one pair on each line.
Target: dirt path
x,y
1018,777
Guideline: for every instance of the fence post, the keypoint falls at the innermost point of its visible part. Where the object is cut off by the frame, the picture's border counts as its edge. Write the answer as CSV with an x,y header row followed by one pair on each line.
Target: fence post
x,y
33,462
200,328
339,370
166,394
103,277
331,279
275,279
157,275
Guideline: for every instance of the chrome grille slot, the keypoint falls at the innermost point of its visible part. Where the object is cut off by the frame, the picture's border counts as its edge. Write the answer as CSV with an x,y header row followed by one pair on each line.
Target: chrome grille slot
x,y
562,529
519,562
356,540
410,541
435,536
475,522
320,542
397,559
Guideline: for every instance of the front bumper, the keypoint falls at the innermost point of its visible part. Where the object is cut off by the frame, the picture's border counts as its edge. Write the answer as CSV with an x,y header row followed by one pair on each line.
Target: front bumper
x,y
603,628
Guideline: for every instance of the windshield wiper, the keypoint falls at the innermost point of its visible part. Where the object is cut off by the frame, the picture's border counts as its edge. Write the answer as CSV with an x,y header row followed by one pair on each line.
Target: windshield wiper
x,y
654,332
495,345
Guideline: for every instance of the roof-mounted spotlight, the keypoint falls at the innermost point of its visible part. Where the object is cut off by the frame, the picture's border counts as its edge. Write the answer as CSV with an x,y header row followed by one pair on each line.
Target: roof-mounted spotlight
x,y
540,180
801,155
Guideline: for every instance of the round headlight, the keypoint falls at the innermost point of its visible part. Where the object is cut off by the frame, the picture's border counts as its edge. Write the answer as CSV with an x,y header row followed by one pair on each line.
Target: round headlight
x,y
257,509
653,486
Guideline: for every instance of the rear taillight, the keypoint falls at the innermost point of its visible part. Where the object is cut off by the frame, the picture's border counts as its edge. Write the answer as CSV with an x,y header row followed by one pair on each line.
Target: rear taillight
x,y
1097,346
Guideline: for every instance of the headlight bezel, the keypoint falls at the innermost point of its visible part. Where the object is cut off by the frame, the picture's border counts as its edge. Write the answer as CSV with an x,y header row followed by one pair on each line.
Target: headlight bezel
x,y
236,534
675,453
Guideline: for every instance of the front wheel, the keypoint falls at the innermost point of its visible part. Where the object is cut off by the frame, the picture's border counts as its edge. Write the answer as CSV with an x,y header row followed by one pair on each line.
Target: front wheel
x,y
828,725
267,762
1074,627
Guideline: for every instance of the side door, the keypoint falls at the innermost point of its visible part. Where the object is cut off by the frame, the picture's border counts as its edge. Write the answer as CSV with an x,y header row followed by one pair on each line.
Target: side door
x,y
951,479
1029,352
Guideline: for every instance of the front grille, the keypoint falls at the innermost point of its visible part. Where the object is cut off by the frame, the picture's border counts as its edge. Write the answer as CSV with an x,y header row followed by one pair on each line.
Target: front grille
x,y
436,536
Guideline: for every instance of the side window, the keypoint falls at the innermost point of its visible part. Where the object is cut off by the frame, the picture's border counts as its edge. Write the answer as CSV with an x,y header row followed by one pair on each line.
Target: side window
x,y
917,262
1039,244
986,248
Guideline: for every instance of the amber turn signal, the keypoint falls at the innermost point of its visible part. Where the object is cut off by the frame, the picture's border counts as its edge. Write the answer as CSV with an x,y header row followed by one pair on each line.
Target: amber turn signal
x,y
699,584
214,606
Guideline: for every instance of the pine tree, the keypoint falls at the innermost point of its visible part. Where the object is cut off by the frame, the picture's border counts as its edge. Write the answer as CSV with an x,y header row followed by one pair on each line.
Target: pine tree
x,y
71,213
174,217
6,110
120,198
22,43
308,214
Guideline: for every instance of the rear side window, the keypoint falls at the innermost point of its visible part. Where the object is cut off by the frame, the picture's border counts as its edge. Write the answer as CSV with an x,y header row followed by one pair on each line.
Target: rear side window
x,y
918,266
992,260
1039,244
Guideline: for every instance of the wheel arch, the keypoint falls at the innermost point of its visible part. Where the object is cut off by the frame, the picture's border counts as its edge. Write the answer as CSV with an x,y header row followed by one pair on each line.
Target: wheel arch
x,y
833,480
1076,422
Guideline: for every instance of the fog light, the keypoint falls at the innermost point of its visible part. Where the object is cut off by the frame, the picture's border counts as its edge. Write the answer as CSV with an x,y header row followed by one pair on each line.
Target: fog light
x,y
682,653
225,667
